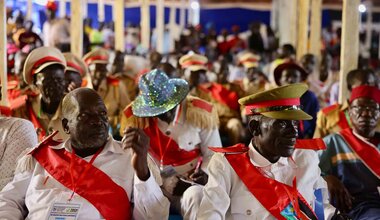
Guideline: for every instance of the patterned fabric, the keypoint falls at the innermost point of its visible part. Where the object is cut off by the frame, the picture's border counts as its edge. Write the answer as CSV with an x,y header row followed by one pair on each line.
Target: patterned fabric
x,y
339,160
16,135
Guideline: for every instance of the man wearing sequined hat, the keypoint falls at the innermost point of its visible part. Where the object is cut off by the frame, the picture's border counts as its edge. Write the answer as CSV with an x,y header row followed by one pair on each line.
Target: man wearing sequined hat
x,y
350,165
109,87
276,175
44,71
224,100
181,128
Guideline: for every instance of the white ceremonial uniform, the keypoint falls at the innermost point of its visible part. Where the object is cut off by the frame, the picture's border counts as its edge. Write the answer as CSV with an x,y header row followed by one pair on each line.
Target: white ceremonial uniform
x,y
189,137
33,191
16,135
226,197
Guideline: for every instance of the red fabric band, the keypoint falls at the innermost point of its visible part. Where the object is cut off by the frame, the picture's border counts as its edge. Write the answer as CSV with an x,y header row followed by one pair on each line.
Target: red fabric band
x,y
366,92
190,63
44,60
271,103
94,58
77,67
251,60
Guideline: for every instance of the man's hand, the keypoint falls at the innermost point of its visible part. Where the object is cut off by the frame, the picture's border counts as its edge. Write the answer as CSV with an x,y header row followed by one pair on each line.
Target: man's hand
x,y
339,194
199,176
139,142
71,86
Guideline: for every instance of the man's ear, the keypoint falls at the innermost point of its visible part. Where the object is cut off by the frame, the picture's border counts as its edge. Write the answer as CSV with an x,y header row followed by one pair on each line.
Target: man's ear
x,y
254,127
65,125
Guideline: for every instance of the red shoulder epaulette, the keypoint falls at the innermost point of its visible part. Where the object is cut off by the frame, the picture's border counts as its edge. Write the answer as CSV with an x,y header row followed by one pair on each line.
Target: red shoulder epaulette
x,y
199,103
113,81
128,111
329,109
310,144
238,148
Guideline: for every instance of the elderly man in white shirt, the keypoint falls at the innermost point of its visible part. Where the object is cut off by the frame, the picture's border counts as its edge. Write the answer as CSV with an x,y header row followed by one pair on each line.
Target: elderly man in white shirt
x,y
89,176
273,178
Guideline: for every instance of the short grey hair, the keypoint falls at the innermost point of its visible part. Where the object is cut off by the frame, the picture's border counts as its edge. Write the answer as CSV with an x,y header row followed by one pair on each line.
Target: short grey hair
x,y
70,105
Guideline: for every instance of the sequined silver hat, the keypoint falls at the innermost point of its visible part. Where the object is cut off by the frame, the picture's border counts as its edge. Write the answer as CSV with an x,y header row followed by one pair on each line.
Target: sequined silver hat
x,y
158,94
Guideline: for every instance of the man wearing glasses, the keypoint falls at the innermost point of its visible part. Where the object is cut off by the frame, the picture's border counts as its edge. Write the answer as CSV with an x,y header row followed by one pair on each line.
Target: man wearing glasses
x,y
350,163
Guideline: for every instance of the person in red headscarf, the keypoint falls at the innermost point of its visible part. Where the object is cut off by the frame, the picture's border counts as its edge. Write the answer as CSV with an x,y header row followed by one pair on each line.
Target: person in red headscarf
x,y
350,163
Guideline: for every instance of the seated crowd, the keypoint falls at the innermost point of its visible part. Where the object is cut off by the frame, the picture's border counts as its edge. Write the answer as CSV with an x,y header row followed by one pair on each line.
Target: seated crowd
x,y
196,138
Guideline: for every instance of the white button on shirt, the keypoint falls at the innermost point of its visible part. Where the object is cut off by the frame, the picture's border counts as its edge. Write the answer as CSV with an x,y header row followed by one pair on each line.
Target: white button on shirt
x,y
226,197
37,194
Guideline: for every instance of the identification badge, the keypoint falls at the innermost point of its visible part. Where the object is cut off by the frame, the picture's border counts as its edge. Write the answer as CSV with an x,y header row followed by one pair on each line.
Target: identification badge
x,y
64,211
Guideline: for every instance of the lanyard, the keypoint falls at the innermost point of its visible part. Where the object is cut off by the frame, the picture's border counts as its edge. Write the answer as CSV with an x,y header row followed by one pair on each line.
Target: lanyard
x,y
293,196
72,166
175,121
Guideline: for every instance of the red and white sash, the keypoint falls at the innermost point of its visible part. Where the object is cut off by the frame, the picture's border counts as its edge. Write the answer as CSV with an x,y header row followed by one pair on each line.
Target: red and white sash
x,y
165,149
273,195
110,199
367,152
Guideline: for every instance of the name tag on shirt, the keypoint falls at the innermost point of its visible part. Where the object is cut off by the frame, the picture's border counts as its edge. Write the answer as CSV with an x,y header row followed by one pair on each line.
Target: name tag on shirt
x,y
64,211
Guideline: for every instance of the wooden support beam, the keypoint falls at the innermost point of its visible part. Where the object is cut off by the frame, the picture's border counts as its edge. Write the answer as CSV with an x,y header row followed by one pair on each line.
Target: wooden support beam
x,y
349,44
288,22
172,27
182,17
118,10
62,8
101,10
303,27
29,10
145,24
3,56
76,26
160,25
315,28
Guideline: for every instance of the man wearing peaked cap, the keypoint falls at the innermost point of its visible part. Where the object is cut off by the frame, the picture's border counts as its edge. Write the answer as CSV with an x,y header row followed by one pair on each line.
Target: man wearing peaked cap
x,y
44,70
181,128
224,100
289,73
350,165
276,175
109,87
75,71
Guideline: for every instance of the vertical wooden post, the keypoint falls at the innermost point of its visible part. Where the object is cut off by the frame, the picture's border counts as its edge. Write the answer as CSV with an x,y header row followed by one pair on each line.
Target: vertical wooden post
x,y
145,24
173,27
62,8
84,8
303,27
101,10
118,10
369,6
350,44
160,25
274,15
29,10
3,55
182,16
288,22
315,28
76,26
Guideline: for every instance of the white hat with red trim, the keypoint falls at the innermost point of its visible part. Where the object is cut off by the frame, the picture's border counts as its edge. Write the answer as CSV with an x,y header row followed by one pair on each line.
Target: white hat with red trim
x,y
39,59
249,60
98,55
193,62
75,64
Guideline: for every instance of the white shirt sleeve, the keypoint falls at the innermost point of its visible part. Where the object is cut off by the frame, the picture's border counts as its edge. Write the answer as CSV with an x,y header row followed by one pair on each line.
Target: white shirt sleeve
x,y
12,197
149,201
21,136
216,198
209,138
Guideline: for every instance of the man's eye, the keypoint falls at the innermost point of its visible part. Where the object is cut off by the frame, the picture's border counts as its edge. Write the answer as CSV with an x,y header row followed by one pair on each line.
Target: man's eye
x,y
282,124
